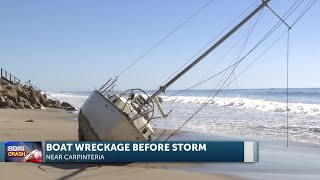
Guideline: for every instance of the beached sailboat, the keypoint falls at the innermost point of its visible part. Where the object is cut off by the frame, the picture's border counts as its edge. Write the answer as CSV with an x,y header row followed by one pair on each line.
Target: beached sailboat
x,y
127,116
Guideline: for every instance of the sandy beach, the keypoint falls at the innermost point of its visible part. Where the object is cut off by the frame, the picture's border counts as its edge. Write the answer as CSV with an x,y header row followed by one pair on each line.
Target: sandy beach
x,y
55,124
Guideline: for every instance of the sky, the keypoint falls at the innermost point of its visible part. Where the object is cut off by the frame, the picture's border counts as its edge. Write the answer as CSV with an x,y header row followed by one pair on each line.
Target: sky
x,y
79,44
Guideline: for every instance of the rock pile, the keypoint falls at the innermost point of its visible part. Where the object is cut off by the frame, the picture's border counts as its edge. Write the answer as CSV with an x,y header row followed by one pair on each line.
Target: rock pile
x,y
22,96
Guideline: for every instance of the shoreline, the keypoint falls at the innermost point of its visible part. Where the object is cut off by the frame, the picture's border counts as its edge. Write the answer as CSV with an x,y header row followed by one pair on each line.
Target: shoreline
x,y
299,161
56,124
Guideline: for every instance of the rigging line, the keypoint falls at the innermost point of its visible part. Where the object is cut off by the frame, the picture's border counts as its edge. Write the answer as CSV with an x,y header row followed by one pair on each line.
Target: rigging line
x,y
262,40
249,52
222,88
250,30
204,104
244,45
288,13
210,42
258,57
285,18
223,57
165,37
240,50
278,16
288,39
161,135
303,13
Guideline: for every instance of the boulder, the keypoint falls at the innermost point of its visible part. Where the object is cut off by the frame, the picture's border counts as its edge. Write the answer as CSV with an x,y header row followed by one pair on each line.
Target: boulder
x,y
43,100
22,99
9,87
2,99
27,105
54,103
33,98
12,95
28,88
3,82
22,92
71,109
3,102
66,105
20,105
11,104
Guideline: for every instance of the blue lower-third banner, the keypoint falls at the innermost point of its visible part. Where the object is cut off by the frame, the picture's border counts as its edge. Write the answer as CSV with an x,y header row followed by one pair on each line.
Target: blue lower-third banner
x,y
92,151
96,151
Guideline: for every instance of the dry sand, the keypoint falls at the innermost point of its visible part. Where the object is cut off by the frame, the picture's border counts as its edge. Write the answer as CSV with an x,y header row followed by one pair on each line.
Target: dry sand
x,y
54,124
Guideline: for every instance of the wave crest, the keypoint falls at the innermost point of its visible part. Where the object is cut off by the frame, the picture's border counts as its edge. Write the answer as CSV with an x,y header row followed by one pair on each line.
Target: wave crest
x,y
254,104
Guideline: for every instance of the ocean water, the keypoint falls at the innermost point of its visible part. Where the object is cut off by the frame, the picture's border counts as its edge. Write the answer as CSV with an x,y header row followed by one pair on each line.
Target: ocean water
x,y
245,112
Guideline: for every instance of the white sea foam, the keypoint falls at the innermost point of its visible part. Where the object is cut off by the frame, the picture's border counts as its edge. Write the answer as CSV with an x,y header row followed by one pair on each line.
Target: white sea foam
x,y
235,116
254,104
72,98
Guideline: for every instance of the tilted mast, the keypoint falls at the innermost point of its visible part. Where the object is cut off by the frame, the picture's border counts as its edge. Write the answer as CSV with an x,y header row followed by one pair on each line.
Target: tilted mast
x,y
218,43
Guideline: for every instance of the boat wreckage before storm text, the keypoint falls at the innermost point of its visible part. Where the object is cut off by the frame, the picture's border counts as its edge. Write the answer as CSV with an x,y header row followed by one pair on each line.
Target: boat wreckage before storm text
x,y
92,147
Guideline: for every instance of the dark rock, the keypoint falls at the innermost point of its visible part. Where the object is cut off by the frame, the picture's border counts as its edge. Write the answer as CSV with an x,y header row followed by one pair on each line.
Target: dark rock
x,y
29,120
54,103
71,109
66,105
9,87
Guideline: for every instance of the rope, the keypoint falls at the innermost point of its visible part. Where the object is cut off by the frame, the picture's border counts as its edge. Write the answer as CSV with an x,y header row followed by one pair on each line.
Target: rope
x,y
204,104
303,12
209,42
288,39
165,37
276,26
262,40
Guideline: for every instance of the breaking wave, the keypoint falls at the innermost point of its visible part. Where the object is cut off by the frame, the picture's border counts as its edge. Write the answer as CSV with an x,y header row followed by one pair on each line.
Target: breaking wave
x,y
74,99
253,104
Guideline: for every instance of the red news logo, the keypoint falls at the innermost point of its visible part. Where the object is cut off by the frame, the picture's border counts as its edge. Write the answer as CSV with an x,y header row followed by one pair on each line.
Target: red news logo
x,y
16,151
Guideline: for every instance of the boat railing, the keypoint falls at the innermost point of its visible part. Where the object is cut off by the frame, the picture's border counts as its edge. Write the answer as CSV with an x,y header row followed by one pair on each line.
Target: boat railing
x,y
138,100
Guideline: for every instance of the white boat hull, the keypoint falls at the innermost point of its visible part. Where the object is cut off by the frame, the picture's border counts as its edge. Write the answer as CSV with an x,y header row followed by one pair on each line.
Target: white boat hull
x,y
101,120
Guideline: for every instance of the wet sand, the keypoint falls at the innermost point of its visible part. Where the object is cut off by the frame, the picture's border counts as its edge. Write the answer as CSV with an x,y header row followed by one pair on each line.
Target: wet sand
x,y
55,124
